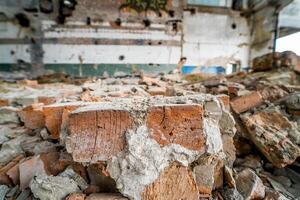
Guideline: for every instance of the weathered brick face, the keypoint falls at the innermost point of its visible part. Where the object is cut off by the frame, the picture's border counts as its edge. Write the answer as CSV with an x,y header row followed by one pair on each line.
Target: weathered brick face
x,y
33,116
176,182
177,124
244,103
101,134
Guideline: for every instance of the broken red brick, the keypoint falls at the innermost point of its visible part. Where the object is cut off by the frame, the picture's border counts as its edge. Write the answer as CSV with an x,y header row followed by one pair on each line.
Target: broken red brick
x,y
177,124
33,116
4,102
54,116
229,149
97,135
28,169
246,102
14,174
175,182
4,178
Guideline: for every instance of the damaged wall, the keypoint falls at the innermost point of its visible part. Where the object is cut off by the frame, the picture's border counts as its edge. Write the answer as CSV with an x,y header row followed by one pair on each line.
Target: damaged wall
x,y
75,37
212,39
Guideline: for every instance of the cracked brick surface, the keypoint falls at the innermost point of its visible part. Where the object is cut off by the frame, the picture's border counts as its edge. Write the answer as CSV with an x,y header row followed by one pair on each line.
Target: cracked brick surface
x,y
177,124
101,134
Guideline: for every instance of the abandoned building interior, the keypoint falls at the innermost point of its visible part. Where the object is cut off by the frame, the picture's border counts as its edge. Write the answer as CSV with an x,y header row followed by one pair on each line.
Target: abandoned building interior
x,y
149,100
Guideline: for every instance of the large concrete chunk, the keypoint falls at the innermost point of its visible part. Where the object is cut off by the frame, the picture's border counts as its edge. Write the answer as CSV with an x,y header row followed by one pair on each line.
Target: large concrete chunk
x,y
176,182
269,131
97,135
177,124
52,187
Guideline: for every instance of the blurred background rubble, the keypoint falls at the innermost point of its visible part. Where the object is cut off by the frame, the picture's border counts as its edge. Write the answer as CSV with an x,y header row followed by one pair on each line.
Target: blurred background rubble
x,y
152,100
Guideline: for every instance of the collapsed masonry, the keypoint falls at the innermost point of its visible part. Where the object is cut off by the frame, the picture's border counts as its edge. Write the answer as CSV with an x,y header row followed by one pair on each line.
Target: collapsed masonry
x,y
147,141
154,138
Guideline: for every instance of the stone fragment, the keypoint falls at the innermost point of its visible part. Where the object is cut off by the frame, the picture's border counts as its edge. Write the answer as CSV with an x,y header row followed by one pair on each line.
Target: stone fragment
x,y
177,124
175,182
251,161
208,175
4,102
33,116
250,185
105,196
76,196
8,115
14,174
70,173
231,194
97,134
11,149
228,175
269,132
25,194
246,102
229,149
272,93
47,187
272,194
4,177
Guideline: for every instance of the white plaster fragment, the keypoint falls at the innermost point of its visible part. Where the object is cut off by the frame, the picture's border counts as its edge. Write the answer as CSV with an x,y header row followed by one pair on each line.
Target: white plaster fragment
x,y
143,161
213,136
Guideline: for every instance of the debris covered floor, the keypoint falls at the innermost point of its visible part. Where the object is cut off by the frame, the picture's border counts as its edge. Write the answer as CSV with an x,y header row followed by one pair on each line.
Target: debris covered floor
x,y
164,137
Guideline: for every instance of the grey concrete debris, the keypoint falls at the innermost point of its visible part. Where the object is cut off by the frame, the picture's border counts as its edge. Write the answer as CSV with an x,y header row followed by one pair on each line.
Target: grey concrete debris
x,y
47,187
70,173
143,161
24,194
3,191
231,194
8,115
293,102
11,149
